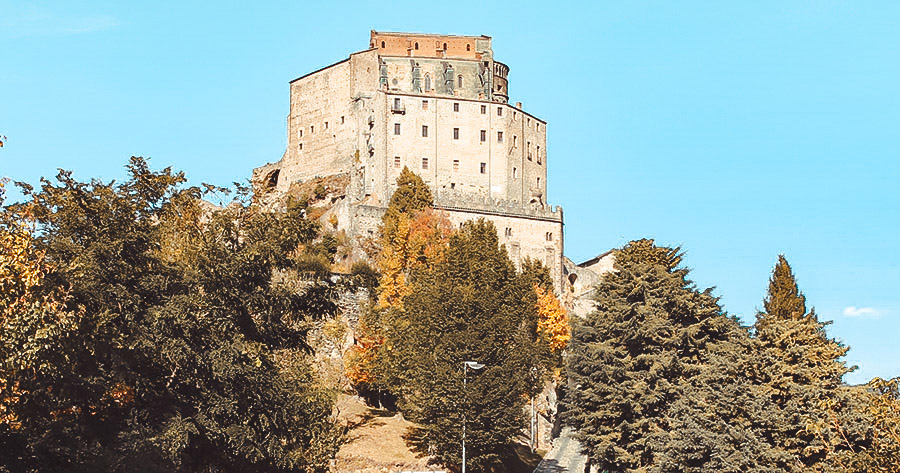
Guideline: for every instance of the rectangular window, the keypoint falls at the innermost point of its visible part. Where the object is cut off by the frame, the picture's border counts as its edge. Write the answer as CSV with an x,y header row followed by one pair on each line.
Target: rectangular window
x,y
499,111
424,105
483,109
538,154
342,119
528,149
424,163
484,168
515,140
455,106
499,137
424,131
300,146
300,133
456,133
312,129
396,128
396,104
529,122
483,135
455,165
396,161
514,115
326,125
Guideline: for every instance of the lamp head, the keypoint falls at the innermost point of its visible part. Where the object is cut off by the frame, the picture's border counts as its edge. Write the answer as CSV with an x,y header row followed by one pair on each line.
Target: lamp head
x,y
473,365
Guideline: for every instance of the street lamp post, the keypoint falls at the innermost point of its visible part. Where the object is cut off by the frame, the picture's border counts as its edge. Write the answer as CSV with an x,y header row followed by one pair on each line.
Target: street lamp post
x,y
475,366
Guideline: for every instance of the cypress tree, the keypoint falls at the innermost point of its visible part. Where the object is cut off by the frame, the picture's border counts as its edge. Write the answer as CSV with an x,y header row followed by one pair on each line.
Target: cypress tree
x,y
412,194
801,369
470,306
659,375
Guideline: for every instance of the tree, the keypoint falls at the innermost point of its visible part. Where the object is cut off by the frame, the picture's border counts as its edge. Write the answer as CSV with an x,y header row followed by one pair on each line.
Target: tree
x,y
801,368
471,305
656,374
187,349
412,194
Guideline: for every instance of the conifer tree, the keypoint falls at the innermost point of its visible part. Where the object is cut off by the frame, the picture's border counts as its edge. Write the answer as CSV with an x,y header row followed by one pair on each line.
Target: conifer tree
x,y
801,368
655,374
470,306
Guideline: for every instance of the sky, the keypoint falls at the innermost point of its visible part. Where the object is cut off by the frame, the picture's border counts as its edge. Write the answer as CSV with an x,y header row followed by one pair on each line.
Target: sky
x,y
735,130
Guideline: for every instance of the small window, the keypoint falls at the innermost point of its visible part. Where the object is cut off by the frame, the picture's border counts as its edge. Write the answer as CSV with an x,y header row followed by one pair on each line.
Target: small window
x,y
455,165
483,109
427,82
396,161
468,47
396,103
300,146
528,121
424,105
382,44
549,236
416,46
483,168
453,185
300,133
342,119
538,155
483,136
326,125
424,131
508,232
396,128
445,46
499,111
515,141
539,183
459,81
424,163
499,137
515,173
455,106
456,133
528,149
514,115
312,129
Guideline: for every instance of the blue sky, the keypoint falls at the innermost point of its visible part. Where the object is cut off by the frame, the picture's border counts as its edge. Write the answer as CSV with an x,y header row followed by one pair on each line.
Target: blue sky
x,y
738,130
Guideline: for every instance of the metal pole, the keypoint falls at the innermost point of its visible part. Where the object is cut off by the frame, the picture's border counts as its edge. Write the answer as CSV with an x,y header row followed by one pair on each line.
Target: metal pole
x,y
532,425
465,372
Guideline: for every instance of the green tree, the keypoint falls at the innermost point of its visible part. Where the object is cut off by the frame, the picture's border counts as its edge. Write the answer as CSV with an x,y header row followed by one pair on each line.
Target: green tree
x,y
471,305
801,370
657,374
412,194
188,350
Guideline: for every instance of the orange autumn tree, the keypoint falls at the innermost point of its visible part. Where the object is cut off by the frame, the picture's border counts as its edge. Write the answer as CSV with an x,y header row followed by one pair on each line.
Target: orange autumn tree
x,y
414,236
553,321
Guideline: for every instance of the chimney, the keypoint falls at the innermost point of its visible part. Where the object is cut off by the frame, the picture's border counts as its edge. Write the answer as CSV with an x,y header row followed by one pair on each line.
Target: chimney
x,y
519,105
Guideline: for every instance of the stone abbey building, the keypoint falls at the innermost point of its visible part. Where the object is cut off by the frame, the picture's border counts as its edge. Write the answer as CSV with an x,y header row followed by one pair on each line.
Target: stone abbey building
x,y
438,105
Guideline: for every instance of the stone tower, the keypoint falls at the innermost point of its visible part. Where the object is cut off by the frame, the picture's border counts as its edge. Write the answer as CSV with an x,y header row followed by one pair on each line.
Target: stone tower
x,y
437,104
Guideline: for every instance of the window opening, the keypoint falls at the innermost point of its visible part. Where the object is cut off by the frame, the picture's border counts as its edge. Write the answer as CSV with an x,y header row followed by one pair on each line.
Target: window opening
x,y
396,161
456,133
483,168
424,131
396,128
483,135
424,163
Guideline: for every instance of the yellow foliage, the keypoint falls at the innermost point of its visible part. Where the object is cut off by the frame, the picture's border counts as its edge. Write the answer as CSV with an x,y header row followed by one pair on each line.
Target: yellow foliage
x,y
23,306
418,241
553,321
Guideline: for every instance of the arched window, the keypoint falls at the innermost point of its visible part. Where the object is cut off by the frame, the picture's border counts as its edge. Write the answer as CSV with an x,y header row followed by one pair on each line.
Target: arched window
x,y
427,82
468,47
417,45
459,81
445,46
382,44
